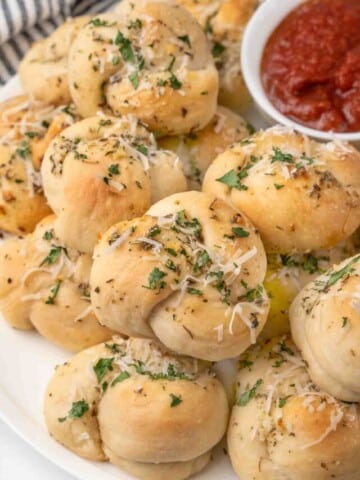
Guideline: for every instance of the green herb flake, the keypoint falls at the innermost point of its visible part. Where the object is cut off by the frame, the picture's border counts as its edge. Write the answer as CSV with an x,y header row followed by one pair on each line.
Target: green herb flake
x,y
175,400
154,231
170,265
134,79
102,367
53,293
113,169
53,256
240,232
97,22
68,111
24,150
185,39
105,123
232,180
142,149
344,321
343,272
171,252
217,49
194,291
77,410
311,264
135,24
115,60
245,363
48,235
156,281
175,83
249,394
283,400
120,378
278,186
125,48
171,374
32,134
279,156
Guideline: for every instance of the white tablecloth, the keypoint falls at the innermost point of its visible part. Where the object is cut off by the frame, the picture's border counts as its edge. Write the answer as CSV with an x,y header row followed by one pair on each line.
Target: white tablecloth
x,y
18,461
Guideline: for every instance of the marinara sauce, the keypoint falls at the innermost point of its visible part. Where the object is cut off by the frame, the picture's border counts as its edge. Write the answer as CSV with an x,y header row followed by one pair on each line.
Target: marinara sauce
x,y
311,65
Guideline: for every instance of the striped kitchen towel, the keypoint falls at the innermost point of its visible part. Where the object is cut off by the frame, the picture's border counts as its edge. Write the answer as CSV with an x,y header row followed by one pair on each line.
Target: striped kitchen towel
x,y
25,21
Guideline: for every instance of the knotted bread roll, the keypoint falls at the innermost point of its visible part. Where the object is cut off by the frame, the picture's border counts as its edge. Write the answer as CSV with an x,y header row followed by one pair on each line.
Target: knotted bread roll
x,y
197,267
223,22
152,61
198,149
26,129
285,427
287,275
43,71
103,170
149,411
325,324
301,195
44,285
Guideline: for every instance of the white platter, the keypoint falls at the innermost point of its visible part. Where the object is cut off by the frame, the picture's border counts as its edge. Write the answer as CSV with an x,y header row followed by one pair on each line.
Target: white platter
x,y
27,362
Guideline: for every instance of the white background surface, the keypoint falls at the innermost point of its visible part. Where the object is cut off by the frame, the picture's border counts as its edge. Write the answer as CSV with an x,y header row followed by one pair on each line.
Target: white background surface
x,y
18,461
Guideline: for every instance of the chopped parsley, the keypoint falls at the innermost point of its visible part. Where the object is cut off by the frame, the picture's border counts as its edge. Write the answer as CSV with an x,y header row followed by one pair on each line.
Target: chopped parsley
x,y
32,134
53,293
135,24
105,123
68,111
202,261
183,221
24,150
217,49
48,235
153,231
156,281
113,169
311,264
134,79
171,252
97,22
77,410
53,256
343,272
120,378
283,400
194,291
175,83
114,347
185,39
102,367
245,363
125,48
175,400
279,156
249,394
344,321
238,232
233,180
171,374
278,186
142,149
170,265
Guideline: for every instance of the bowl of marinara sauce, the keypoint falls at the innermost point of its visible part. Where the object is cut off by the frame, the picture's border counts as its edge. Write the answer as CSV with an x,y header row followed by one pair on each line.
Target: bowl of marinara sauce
x,y
301,63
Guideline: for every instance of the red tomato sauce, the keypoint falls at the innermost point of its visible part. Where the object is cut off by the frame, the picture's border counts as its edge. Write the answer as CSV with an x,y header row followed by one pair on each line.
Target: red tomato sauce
x,y
311,65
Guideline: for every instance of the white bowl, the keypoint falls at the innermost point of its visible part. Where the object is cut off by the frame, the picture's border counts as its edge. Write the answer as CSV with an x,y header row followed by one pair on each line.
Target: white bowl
x,y
262,24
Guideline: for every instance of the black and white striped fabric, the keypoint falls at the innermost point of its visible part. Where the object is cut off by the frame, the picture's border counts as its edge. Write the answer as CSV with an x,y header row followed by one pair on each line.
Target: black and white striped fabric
x,y
24,21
